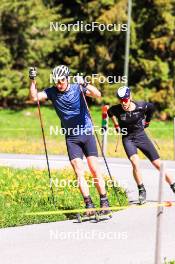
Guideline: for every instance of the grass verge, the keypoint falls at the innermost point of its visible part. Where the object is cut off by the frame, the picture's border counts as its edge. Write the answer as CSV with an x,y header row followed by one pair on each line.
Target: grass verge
x,y
20,132
26,191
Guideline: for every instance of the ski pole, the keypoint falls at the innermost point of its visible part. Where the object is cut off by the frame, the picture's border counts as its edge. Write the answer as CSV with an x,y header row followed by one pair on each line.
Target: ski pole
x,y
117,144
45,146
154,141
101,149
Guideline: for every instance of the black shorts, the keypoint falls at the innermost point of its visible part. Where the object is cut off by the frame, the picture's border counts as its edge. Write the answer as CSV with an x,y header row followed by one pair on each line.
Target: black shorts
x,y
80,145
142,142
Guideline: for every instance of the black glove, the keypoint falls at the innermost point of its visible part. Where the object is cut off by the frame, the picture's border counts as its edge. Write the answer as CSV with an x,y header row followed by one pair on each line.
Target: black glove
x,y
32,73
146,124
117,128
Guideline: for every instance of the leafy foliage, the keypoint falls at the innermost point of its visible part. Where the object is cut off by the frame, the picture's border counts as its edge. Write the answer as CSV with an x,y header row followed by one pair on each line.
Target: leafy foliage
x,y
26,39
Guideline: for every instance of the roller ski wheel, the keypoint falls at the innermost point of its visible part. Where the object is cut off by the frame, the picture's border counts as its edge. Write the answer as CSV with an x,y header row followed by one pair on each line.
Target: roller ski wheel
x,y
88,215
142,196
105,215
85,217
79,218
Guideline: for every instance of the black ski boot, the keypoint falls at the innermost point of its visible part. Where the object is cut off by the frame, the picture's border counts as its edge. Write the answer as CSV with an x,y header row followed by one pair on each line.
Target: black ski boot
x,y
89,214
173,187
104,204
89,205
142,194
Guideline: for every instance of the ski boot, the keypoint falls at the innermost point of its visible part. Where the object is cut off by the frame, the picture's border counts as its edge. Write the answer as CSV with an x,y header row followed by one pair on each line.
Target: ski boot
x,y
173,187
142,194
105,213
88,215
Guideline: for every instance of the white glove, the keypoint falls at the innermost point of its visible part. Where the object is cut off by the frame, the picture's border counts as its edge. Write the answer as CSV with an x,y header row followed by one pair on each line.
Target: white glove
x,y
32,73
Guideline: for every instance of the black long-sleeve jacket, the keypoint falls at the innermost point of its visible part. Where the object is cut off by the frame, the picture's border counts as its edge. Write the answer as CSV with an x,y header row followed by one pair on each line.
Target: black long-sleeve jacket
x,y
133,120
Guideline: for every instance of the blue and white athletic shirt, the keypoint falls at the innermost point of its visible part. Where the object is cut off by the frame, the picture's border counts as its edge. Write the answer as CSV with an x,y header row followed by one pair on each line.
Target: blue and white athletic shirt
x,y
71,109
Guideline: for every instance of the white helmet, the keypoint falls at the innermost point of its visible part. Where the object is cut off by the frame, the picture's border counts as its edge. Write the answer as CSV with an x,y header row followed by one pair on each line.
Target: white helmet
x,y
60,72
123,92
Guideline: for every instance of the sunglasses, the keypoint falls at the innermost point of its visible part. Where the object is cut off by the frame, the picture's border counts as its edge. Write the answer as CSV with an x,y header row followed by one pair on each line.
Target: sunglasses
x,y
124,100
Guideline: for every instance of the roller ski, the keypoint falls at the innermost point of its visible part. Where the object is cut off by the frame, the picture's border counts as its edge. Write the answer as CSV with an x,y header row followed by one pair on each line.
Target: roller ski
x,y
88,215
142,195
105,213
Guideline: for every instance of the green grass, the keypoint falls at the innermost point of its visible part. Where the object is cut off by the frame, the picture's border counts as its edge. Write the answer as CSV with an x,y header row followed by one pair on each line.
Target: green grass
x,y
20,132
26,191
169,262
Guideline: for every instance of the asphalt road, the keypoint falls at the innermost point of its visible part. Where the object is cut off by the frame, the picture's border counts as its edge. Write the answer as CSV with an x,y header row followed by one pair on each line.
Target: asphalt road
x,y
128,238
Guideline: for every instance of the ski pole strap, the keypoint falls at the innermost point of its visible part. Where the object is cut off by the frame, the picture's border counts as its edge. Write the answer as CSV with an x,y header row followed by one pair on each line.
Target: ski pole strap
x,y
116,126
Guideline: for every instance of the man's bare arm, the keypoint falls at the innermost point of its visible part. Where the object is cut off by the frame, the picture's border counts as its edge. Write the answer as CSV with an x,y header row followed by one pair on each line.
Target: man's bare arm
x,y
92,91
34,96
114,120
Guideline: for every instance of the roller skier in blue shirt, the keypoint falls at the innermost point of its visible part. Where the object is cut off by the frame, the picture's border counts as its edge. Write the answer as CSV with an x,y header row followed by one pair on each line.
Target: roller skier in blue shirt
x,y
70,107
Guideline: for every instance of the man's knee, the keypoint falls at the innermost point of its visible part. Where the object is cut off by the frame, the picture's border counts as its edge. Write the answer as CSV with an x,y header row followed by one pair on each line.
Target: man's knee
x,y
77,165
93,164
157,163
135,161
95,171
